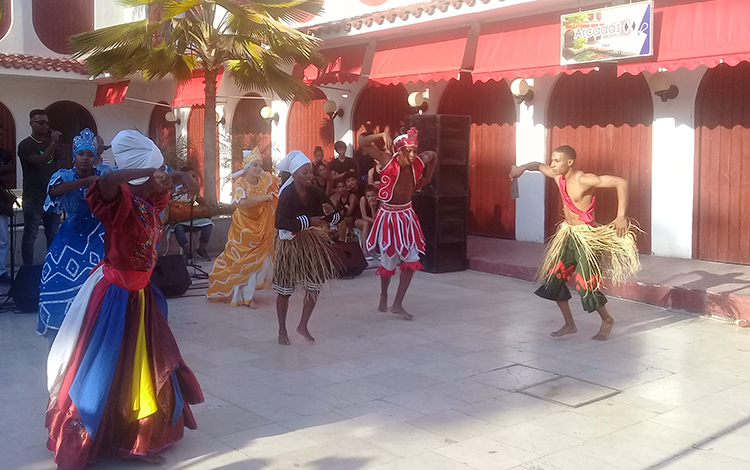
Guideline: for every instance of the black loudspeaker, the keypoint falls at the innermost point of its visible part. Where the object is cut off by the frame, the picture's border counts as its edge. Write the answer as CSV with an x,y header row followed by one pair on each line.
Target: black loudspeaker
x,y
443,205
25,288
350,260
171,275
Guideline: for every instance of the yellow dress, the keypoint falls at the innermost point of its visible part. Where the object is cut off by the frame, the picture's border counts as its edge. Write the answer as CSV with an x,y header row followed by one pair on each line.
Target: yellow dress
x,y
247,259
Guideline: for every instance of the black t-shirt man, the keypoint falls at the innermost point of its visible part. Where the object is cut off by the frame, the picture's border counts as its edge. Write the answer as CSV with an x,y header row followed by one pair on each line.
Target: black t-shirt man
x,y
342,167
35,179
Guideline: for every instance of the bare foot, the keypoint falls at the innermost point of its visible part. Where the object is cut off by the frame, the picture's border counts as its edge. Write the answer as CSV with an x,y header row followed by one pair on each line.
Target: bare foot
x,y
565,330
383,306
605,330
305,334
283,338
400,311
252,305
151,458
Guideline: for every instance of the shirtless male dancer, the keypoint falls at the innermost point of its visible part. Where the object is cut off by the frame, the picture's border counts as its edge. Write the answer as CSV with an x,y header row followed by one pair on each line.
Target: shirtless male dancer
x,y
396,230
575,250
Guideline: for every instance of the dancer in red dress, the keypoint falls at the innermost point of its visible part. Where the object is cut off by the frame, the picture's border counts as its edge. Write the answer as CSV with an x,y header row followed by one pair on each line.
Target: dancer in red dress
x,y
117,382
396,230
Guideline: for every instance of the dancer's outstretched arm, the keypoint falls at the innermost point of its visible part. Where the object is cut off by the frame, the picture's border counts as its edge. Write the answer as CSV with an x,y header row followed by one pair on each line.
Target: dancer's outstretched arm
x,y
546,170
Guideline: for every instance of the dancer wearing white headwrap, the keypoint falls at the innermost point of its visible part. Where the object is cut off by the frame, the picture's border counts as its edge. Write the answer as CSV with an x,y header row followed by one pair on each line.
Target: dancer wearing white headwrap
x,y
302,253
116,380
246,262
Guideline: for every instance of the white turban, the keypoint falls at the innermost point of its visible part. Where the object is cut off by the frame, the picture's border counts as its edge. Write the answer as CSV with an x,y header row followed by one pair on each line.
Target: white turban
x,y
134,150
293,161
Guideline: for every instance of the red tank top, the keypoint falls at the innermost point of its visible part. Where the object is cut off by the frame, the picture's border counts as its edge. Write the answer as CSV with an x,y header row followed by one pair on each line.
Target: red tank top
x,y
390,173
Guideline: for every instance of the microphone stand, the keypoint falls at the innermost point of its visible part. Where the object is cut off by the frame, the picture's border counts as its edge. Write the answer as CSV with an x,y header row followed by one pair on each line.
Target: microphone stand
x,y
198,272
6,299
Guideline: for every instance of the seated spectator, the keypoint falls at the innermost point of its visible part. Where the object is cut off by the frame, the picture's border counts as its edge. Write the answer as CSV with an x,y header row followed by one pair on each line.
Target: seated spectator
x,y
368,209
320,177
352,185
318,157
346,203
190,214
341,165
373,176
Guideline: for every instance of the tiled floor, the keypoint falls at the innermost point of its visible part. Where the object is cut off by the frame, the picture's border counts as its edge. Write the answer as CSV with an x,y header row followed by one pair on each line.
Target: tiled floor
x,y
449,390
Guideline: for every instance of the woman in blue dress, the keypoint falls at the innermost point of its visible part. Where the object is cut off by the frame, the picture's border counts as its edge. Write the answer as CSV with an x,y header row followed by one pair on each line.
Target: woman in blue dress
x,y
79,245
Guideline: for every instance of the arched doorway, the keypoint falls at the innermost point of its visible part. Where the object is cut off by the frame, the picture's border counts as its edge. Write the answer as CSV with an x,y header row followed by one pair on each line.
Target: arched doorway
x,y
379,109
250,130
492,212
722,169
309,126
8,142
164,134
607,119
55,21
70,118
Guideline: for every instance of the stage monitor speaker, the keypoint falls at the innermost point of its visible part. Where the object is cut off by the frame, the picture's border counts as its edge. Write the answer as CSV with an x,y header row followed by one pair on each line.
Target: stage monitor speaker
x,y
351,261
171,276
25,288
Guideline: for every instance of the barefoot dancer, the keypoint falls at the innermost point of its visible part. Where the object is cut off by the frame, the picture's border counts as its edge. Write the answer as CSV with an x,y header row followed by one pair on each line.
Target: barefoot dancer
x,y
245,264
396,230
117,383
302,253
575,250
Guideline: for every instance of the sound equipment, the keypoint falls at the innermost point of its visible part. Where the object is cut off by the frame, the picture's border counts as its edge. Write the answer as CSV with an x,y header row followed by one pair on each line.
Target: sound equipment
x,y
350,260
171,276
443,205
25,288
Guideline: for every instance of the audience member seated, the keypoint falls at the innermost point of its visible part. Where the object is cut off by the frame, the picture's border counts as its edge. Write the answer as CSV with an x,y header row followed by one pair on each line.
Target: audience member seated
x,y
345,203
320,176
368,209
373,176
190,214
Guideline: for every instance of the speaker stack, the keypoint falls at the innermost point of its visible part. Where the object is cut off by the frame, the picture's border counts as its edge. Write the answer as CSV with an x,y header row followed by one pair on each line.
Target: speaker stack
x,y
171,276
443,205
25,288
350,261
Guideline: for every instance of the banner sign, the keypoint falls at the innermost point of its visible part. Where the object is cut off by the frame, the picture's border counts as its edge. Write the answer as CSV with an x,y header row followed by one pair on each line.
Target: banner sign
x,y
612,33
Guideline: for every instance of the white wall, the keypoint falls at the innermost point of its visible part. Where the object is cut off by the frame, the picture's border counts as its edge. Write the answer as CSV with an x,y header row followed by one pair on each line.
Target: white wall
x,y
531,146
673,168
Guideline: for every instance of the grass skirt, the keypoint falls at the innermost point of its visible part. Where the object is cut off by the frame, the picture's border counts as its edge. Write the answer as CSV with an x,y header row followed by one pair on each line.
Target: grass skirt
x,y
306,260
607,254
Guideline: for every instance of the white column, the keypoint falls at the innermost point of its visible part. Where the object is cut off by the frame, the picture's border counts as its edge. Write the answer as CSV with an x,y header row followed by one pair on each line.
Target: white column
x,y
531,146
673,168
278,130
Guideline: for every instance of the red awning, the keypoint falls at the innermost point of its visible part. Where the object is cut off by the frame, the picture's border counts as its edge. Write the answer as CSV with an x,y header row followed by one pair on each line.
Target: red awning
x,y
421,59
344,66
513,49
193,92
111,93
707,33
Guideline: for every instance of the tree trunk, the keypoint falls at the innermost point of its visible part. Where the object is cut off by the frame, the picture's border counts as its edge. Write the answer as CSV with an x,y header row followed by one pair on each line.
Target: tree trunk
x,y
209,138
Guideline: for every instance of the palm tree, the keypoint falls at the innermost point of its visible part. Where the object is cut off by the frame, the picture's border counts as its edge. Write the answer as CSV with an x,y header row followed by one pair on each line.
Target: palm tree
x,y
251,40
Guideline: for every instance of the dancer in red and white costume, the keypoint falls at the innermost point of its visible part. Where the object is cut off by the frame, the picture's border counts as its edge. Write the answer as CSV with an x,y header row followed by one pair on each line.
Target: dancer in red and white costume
x,y
396,230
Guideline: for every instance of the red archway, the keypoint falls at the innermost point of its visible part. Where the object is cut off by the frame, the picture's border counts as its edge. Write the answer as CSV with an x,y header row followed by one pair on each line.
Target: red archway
x,y
7,17
8,141
195,144
250,130
70,118
380,109
55,21
492,212
309,126
607,119
722,165
164,134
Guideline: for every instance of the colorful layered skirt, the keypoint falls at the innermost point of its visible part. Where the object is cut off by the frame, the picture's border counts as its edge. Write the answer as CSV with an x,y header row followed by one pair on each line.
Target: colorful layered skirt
x,y
117,382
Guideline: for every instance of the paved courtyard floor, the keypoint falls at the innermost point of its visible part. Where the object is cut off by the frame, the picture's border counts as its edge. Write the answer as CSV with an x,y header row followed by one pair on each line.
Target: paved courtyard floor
x,y
474,382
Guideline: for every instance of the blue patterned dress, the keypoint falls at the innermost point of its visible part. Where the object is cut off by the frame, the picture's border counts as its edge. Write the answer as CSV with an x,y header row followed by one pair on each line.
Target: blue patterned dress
x,y
75,251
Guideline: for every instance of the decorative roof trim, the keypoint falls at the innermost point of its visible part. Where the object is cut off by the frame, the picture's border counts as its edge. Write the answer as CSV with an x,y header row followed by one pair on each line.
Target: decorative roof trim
x,y
379,18
51,64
